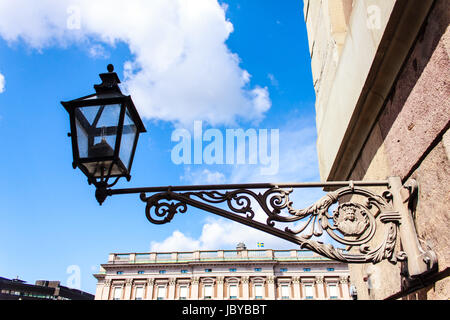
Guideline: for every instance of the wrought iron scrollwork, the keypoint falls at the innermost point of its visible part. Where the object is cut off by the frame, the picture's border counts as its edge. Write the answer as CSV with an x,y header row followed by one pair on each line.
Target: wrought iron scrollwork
x,y
352,223
161,206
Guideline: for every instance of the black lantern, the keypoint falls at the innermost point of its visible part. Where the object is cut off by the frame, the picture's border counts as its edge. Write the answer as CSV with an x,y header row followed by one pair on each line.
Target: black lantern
x,y
105,128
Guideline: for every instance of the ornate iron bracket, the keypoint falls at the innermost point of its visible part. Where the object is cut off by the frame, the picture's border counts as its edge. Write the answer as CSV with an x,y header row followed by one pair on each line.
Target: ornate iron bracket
x,y
420,261
359,217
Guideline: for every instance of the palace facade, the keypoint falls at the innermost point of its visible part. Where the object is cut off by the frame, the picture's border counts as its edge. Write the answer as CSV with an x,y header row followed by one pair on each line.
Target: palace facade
x,y
239,274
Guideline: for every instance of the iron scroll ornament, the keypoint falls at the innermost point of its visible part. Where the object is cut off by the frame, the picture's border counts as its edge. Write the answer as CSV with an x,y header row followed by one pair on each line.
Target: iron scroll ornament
x,y
352,223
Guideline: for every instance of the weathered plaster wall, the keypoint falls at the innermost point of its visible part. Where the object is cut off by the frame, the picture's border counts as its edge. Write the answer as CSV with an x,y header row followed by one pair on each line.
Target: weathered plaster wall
x,y
343,46
383,279
419,106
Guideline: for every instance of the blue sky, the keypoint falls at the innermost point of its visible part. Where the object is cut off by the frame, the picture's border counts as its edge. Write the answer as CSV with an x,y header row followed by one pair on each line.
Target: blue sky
x,y
251,68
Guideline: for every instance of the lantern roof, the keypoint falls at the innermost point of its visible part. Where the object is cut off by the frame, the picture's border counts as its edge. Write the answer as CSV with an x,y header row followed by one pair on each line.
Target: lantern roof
x,y
108,92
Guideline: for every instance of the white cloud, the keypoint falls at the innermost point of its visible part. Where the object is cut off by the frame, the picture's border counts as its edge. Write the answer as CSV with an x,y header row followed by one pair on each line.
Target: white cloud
x,y
2,83
261,100
176,242
98,51
218,233
181,70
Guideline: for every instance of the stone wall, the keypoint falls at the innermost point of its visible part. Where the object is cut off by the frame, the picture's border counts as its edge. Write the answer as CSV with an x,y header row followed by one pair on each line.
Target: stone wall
x,y
409,137
411,140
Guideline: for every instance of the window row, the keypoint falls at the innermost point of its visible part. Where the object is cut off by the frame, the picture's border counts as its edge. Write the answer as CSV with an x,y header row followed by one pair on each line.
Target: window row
x,y
230,270
210,270
233,291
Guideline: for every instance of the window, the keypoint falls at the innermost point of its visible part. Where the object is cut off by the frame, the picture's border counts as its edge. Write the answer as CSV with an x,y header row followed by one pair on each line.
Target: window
x,y
139,293
306,269
141,272
285,291
119,272
122,256
208,291
117,293
162,271
208,270
330,269
233,291
333,291
283,269
259,293
184,271
257,269
183,292
309,291
232,269
161,293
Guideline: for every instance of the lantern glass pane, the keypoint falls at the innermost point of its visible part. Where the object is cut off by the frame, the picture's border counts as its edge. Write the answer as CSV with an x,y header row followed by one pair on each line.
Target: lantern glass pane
x,y
97,130
110,116
89,113
83,140
127,143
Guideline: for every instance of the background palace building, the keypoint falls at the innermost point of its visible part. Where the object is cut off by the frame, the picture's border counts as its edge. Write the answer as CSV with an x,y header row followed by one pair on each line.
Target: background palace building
x,y
222,275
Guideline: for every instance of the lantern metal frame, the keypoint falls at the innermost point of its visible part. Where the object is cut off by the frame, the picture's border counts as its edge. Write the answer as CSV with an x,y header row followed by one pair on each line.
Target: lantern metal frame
x,y
107,94
368,222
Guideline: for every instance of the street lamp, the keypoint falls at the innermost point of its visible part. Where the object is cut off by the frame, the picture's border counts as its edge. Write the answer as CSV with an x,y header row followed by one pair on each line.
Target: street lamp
x,y
105,128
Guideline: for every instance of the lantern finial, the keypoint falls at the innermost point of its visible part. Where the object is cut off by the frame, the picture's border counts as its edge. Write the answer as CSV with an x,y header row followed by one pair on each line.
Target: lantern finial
x,y
110,82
